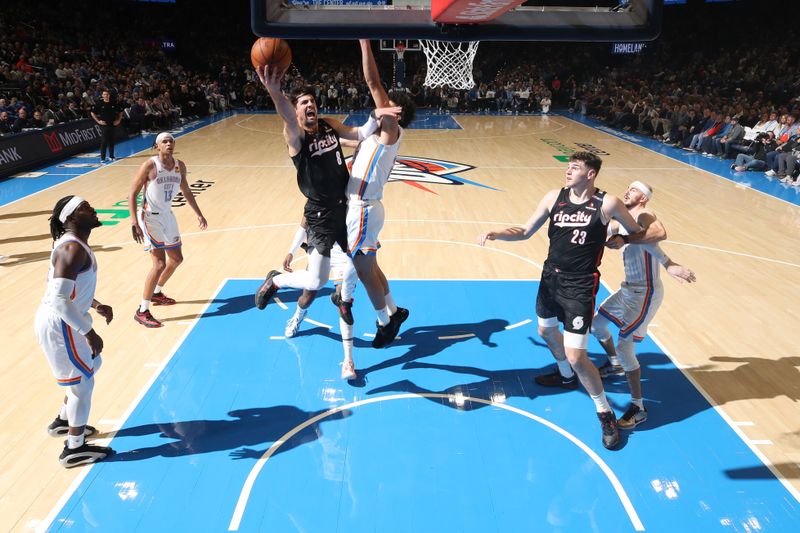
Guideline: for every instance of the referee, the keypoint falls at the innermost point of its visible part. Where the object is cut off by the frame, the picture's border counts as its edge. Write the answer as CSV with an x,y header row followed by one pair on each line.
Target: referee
x,y
108,115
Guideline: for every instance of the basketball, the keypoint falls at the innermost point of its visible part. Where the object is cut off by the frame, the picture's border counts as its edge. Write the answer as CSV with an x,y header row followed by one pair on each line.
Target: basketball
x,y
272,52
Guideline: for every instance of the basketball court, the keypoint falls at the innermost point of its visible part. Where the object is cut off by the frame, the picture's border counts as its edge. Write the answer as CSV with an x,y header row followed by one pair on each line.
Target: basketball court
x,y
220,423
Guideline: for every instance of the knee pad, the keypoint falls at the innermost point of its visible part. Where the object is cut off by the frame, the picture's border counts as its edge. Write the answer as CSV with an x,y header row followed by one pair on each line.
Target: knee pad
x,y
626,352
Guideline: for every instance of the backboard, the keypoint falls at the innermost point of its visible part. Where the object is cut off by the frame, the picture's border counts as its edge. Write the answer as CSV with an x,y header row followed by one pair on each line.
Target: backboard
x,y
534,20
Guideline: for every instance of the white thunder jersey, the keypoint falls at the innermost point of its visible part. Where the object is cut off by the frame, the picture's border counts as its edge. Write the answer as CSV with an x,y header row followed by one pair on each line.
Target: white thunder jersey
x,y
372,165
161,186
641,266
85,282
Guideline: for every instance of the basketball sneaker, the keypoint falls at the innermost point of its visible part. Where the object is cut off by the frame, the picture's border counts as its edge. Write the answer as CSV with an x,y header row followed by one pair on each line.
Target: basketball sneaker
x,y
348,370
292,325
386,334
345,308
267,290
555,379
161,299
83,455
608,370
401,314
146,319
59,428
634,416
608,422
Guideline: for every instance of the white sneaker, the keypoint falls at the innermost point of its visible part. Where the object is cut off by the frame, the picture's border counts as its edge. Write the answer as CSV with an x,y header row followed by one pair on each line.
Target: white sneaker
x,y
348,370
292,325
770,173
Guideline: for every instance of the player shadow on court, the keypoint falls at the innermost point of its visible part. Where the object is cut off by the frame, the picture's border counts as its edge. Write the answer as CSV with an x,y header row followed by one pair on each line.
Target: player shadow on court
x,y
751,379
237,304
425,341
26,238
25,214
259,426
20,259
787,470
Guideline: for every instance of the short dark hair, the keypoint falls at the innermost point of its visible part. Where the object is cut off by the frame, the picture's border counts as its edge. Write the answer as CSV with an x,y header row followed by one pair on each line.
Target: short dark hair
x,y
589,159
302,91
402,99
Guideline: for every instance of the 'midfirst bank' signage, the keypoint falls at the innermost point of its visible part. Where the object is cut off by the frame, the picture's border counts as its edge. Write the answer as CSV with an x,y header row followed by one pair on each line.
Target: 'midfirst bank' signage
x,y
25,150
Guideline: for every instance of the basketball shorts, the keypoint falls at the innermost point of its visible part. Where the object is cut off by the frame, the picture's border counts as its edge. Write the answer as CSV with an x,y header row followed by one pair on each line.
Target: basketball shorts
x,y
364,222
632,308
568,297
326,227
160,230
66,350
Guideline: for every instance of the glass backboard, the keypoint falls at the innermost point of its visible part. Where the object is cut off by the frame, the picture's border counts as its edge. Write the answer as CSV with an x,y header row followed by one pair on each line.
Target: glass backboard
x,y
534,20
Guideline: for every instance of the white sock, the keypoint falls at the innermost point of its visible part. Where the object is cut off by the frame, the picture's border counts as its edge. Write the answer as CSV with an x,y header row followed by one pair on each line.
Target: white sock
x,y
300,313
383,316
565,369
638,402
74,441
347,338
390,303
158,290
144,306
63,414
600,402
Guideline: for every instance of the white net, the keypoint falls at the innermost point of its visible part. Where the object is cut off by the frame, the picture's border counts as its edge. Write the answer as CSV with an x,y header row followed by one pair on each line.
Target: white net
x,y
450,63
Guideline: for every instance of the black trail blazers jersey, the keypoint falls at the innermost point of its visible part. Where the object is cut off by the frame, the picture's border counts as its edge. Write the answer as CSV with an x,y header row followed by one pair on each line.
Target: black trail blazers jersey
x,y
577,234
321,170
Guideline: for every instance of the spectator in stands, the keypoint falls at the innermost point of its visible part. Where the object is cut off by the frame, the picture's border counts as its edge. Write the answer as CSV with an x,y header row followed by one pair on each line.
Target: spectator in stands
x,y
22,120
36,121
758,159
136,116
722,146
5,123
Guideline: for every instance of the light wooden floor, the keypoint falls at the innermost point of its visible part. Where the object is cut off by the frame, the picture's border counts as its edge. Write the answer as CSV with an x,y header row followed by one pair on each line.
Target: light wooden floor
x,y
735,330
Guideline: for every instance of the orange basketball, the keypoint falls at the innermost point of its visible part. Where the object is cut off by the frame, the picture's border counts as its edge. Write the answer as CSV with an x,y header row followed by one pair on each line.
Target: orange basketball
x,y
272,52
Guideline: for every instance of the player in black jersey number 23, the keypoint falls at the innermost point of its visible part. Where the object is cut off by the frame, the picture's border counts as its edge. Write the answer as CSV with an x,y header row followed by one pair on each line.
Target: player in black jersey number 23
x,y
579,215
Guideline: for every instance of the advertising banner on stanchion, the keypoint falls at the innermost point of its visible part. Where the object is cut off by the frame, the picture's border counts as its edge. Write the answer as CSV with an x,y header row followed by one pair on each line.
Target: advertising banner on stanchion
x,y
34,148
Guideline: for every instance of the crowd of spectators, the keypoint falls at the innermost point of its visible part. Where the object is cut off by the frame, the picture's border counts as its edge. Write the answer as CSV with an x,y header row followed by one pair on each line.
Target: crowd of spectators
x,y
687,88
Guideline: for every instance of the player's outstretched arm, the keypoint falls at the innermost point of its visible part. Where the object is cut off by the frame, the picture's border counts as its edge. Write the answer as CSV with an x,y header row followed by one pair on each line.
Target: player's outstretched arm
x,y
271,79
372,76
517,233
653,231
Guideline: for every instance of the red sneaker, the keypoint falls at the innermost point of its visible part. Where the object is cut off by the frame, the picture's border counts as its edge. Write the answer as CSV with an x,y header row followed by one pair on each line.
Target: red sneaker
x,y
147,319
161,299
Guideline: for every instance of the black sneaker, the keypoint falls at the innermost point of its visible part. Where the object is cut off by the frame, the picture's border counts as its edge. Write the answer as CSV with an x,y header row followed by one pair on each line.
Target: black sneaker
x,y
608,422
386,334
345,308
83,455
634,416
608,370
59,428
555,379
401,314
267,290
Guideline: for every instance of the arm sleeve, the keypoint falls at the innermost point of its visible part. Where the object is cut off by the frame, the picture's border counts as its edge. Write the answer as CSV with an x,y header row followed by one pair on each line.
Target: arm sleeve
x,y
655,250
62,304
368,128
299,238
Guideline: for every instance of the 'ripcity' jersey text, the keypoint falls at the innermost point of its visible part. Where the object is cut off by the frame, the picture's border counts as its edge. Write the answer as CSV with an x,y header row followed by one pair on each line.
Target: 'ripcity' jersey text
x,y
577,234
321,170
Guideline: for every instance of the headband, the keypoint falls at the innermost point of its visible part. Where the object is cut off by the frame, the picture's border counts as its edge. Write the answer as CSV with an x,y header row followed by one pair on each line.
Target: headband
x,y
163,135
648,193
71,206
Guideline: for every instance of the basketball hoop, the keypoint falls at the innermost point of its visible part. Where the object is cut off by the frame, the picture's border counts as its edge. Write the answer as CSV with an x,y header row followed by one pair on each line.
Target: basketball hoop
x,y
400,49
449,63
